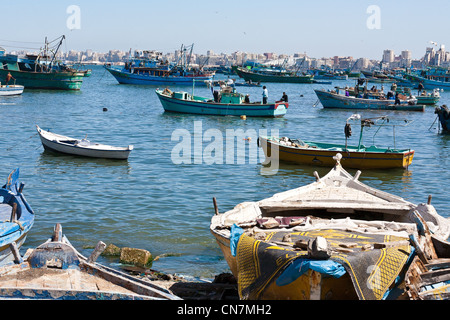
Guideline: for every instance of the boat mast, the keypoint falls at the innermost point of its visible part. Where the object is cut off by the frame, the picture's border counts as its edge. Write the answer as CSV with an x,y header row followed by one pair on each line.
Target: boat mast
x,y
56,51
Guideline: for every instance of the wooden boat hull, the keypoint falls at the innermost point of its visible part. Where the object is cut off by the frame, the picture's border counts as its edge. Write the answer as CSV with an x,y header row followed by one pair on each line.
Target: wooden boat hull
x,y
335,101
55,270
42,80
324,156
55,143
365,248
312,285
137,79
257,77
11,90
15,230
171,104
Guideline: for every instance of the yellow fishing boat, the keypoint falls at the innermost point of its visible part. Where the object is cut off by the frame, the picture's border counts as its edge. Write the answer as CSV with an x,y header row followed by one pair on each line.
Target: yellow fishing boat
x,y
336,238
321,154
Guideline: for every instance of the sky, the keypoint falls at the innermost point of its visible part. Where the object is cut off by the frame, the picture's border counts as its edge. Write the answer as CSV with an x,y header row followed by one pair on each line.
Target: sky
x,y
319,28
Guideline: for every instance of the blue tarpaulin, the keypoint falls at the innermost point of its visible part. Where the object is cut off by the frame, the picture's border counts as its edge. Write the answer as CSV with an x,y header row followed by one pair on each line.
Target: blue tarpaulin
x,y
300,266
236,233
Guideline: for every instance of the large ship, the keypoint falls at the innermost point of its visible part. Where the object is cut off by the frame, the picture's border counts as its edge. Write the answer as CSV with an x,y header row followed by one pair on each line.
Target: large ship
x,y
41,71
149,68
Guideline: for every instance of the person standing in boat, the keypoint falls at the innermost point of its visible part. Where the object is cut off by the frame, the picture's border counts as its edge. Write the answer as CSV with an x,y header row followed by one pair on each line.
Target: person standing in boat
x,y
9,77
265,95
397,99
419,88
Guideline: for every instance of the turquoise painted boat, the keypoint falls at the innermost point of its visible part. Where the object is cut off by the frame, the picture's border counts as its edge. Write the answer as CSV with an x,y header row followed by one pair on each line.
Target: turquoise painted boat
x,y
40,71
429,83
333,100
229,104
444,117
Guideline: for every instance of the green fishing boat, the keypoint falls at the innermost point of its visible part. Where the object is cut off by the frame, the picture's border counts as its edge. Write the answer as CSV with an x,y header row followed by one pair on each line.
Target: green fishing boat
x,y
267,75
40,71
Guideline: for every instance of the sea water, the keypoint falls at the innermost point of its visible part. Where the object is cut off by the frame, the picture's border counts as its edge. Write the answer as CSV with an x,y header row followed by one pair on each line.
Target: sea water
x,y
161,198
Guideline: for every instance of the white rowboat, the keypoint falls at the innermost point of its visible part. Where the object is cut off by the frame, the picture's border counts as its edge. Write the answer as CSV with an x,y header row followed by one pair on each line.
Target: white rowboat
x,y
81,147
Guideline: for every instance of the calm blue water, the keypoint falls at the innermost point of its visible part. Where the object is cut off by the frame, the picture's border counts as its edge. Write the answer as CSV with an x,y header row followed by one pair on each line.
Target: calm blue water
x,y
151,203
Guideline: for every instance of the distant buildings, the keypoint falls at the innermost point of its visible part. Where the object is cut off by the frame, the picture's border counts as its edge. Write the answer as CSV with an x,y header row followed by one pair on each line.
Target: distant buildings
x,y
298,61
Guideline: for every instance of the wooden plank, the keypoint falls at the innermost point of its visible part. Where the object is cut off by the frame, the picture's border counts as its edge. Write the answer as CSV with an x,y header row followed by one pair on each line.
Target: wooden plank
x,y
438,263
382,245
435,296
418,248
423,228
433,277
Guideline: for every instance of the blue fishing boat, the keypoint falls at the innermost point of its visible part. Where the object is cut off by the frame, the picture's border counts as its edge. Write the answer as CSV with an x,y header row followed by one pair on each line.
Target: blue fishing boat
x,y
428,83
227,102
431,78
334,100
444,117
17,218
149,68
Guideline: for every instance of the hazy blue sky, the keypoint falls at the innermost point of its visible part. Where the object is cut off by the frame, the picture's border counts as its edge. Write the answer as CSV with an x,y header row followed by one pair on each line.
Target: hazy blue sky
x,y
321,28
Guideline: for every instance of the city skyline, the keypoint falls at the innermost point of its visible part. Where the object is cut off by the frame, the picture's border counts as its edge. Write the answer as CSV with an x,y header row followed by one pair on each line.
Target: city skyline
x,y
324,29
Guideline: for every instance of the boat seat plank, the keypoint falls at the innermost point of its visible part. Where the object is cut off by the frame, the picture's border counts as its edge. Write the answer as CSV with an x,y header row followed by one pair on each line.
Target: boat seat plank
x,y
438,263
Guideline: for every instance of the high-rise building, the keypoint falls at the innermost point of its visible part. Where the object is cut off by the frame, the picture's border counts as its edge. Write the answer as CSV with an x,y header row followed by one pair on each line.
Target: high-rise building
x,y
406,55
388,56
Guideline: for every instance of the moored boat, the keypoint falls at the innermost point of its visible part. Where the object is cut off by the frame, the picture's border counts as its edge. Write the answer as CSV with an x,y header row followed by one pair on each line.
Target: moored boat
x,y
226,103
353,156
148,68
81,147
40,71
331,99
55,270
17,218
428,82
11,90
272,76
336,238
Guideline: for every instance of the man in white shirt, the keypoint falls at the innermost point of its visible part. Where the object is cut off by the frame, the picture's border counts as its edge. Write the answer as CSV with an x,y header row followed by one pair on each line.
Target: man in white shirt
x,y
265,95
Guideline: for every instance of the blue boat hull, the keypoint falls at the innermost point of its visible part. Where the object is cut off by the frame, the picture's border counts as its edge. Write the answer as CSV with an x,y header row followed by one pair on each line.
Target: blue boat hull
x,y
428,84
220,109
335,101
16,230
140,79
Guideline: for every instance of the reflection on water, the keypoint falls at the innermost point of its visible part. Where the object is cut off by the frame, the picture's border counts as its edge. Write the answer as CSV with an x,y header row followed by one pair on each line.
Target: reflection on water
x,y
58,160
